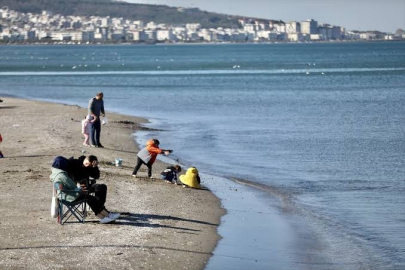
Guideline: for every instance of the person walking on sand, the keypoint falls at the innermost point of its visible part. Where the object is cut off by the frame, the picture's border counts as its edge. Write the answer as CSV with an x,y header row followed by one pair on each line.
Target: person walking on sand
x,y
96,108
148,156
1,154
86,128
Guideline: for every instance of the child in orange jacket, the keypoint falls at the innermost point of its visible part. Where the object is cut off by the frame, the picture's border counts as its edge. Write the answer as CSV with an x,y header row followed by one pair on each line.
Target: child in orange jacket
x,y
148,156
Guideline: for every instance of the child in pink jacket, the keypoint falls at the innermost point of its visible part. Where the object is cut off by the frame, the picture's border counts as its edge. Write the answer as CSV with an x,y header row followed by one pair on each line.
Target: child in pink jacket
x,y
86,128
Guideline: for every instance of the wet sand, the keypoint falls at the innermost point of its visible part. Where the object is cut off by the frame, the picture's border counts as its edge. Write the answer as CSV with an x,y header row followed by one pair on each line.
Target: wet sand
x,y
165,226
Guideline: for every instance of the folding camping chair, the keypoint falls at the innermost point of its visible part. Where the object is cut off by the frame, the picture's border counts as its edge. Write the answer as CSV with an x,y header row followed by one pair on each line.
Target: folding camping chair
x,y
68,209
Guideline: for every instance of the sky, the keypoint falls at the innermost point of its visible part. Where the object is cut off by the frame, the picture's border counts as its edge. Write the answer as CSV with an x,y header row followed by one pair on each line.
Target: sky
x,y
381,15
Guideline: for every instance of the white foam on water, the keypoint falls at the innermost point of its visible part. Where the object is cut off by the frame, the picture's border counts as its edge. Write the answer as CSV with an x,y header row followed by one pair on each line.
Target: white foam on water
x,y
196,72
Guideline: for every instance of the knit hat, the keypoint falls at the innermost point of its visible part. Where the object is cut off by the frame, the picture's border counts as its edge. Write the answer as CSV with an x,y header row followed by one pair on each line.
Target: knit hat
x,y
60,163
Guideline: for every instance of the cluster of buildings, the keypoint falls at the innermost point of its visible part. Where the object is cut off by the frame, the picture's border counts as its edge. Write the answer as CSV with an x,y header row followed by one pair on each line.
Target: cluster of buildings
x,y
47,27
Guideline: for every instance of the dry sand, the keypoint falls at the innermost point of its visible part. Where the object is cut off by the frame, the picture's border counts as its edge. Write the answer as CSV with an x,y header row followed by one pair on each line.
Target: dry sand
x,y
168,227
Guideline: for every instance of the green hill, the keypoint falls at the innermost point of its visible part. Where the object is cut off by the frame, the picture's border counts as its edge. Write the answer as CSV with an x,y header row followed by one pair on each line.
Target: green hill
x,y
156,13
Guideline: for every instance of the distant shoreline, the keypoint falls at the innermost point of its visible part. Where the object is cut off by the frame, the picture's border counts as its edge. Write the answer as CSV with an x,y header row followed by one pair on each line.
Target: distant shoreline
x,y
187,43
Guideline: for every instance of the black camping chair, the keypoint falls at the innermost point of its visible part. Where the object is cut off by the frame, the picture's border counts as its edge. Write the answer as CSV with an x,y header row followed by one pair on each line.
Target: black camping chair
x,y
68,210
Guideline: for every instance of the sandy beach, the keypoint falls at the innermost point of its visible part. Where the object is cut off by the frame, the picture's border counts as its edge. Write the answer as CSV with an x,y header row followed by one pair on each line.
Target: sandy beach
x,y
165,226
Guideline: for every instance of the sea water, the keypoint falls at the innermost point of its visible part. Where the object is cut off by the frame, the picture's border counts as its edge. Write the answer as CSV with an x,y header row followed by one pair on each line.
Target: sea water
x,y
316,129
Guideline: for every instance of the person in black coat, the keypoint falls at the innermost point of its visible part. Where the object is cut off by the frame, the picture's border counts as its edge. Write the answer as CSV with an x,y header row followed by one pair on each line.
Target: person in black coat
x,y
84,171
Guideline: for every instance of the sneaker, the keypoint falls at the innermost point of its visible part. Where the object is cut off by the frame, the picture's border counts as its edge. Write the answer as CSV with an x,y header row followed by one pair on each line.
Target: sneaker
x,y
92,145
134,175
107,220
100,145
86,144
114,215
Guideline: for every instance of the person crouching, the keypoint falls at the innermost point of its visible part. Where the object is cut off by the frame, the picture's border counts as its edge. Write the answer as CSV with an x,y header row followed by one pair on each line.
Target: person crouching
x,y
147,156
170,174
191,178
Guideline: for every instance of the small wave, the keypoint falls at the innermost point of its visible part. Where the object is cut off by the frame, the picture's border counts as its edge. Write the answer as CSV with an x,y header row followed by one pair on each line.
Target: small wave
x,y
197,72
285,197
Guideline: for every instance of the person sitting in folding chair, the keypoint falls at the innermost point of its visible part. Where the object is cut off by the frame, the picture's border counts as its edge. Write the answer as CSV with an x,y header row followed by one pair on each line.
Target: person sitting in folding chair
x,y
73,194
84,170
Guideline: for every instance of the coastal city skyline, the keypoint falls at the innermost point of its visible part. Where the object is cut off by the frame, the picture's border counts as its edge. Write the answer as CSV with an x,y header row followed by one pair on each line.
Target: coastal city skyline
x,y
53,27
362,15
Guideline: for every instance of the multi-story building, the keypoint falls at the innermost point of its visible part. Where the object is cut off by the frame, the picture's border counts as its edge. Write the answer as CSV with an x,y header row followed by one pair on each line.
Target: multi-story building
x,y
293,27
309,27
279,27
165,35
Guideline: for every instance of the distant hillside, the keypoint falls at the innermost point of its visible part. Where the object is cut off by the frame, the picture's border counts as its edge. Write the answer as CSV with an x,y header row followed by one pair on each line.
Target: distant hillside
x,y
400,32
156,13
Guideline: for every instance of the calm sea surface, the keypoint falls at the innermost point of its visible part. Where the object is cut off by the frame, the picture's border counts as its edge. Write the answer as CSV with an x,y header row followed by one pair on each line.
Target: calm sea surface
x,y
318,127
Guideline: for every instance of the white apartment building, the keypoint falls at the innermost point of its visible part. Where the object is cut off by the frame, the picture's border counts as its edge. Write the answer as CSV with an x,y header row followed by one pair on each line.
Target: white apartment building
x,y
151,25
194,27
150,34
263,26
295,37
138,24
105,22
316,37
250,27
138,35
266,35
205,34
309,27
293,27
66,35
280,27
367,36
165,35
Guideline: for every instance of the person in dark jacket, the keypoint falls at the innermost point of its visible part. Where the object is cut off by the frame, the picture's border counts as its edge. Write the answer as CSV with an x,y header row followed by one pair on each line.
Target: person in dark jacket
x,y
83,168
96,109
170,174
84,171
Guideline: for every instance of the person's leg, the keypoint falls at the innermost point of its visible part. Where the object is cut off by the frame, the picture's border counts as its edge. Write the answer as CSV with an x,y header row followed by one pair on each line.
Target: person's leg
x,y
92,134
97,125
93,202
149,165
138,165
100,192
86,139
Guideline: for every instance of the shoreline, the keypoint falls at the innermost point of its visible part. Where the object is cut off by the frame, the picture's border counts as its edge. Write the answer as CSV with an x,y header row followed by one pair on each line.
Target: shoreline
x,y
198,43
159,230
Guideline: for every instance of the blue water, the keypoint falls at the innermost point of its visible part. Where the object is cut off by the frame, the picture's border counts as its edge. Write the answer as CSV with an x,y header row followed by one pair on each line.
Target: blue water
x,y
320,125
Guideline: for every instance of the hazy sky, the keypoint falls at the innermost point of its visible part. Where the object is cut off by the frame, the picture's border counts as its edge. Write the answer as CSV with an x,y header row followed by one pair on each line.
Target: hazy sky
x,y
383,15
